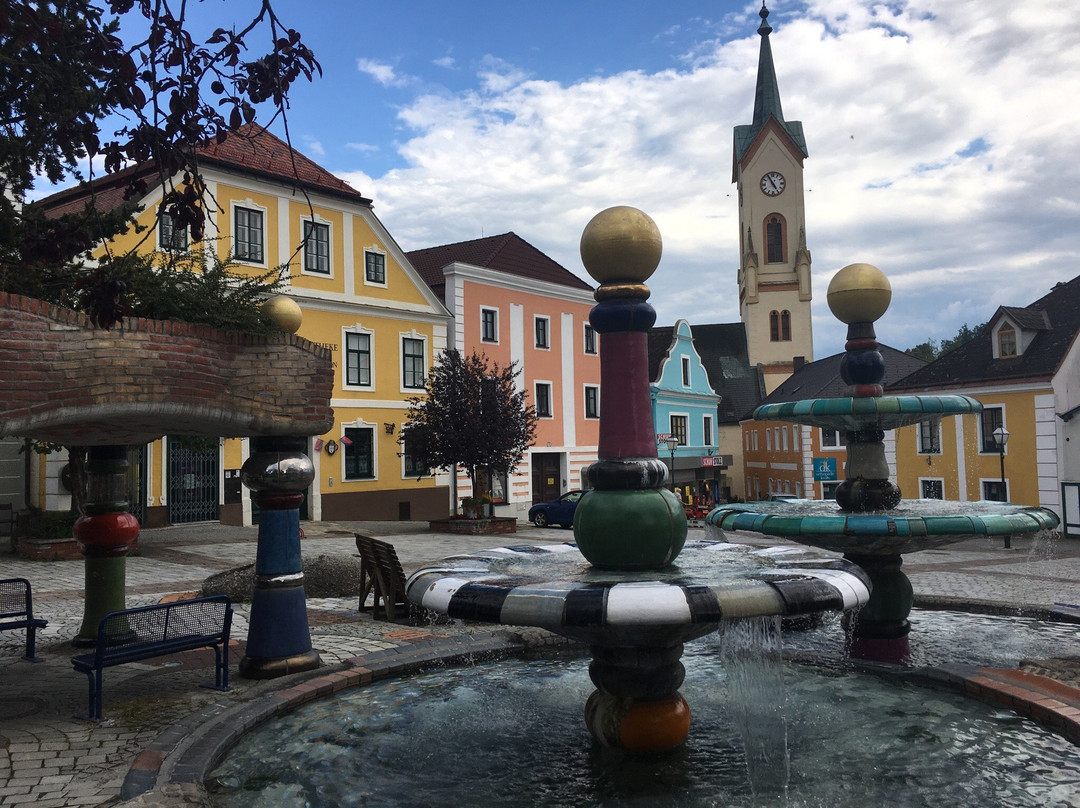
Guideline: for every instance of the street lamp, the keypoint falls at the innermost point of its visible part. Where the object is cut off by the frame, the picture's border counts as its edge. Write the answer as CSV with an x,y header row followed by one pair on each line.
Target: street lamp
x,y
672,442
1001,437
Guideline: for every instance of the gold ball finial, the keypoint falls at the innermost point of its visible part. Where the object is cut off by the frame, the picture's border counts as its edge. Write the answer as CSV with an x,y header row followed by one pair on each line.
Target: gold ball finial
x,y
859,293
621,244
284,312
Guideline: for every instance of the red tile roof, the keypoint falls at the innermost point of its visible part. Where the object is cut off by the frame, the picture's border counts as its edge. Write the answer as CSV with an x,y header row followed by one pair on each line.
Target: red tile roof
x,y
251,150
507,253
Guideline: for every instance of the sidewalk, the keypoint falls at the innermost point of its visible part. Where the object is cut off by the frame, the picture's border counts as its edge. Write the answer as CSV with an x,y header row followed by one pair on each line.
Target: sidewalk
x,y
161,726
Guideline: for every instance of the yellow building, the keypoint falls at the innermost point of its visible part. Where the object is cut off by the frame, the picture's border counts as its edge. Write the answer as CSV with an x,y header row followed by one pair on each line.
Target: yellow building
x,y
270,206
1024,366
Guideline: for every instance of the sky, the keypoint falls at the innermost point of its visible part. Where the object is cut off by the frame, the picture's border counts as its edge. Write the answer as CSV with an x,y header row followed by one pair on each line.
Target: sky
x,y
943,138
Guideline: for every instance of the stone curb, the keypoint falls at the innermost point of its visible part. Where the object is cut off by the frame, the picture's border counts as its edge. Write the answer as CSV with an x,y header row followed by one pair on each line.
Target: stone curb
x,y
175,765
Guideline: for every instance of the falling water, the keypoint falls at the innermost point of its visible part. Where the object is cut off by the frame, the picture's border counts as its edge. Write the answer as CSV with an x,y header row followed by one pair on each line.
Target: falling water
x,y
751,653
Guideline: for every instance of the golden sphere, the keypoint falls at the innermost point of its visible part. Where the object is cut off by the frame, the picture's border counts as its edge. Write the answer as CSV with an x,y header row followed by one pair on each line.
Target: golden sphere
x,y
621,244
859,293
284,312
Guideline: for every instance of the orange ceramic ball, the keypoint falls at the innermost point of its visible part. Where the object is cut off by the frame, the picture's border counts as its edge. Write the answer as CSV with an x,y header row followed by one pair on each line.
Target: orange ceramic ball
x,y
651,726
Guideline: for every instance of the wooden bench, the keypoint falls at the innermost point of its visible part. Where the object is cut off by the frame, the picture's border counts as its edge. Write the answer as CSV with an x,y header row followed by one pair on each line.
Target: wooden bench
x,y
17,611
128,635
381,574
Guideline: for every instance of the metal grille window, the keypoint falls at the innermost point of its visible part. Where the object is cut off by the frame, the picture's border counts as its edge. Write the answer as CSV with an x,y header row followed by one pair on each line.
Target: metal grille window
x,y
358,360
592,401
248,238
317,247
412,363
543,400
933,489
489,325
359,453
930,437
678,428
374,267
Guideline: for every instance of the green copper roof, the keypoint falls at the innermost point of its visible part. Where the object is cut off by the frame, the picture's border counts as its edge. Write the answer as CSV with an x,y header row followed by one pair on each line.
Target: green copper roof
x,y
766,98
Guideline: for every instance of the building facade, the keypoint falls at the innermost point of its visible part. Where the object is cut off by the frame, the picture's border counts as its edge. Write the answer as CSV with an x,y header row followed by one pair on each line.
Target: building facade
x,y
514,304
1024,367
271,207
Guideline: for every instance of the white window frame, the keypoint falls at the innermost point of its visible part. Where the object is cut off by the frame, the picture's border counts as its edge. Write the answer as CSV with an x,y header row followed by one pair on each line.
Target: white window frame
x,y
170,248
586,331
685,418
385,271
984,481
685,366
537,384
356,329
585,401
982,438
830,487
250,206
768,440
707,430
546,346
489,310
936,426
360,423
835,445
923,480
317,222
421,338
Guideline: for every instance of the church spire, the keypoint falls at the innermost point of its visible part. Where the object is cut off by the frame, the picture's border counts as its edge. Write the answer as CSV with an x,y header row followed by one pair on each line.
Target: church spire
x,y
767,95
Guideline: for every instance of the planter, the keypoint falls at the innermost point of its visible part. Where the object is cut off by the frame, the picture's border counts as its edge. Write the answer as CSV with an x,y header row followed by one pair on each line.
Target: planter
x,y
474,527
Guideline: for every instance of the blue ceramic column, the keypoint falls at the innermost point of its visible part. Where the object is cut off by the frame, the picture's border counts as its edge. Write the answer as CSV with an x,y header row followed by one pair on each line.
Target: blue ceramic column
x,y
279,641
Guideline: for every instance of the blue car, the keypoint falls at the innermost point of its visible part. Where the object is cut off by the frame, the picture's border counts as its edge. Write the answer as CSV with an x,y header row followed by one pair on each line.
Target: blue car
x,y
557,512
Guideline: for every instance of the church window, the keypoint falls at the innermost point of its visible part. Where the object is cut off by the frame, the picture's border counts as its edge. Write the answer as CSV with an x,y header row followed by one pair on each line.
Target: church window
x,y
785,326
774,240
774,326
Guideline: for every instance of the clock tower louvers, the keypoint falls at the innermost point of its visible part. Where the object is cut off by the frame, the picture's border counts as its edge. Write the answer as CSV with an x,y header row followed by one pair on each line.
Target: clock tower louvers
x,y
774,263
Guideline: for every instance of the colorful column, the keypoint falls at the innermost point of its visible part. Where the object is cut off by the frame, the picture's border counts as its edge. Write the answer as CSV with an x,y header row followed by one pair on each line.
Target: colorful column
x,y
859,294
105,535
279,641
629,520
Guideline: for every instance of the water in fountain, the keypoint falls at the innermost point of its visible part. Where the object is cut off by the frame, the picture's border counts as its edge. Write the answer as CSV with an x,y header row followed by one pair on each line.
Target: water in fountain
x,y
510,734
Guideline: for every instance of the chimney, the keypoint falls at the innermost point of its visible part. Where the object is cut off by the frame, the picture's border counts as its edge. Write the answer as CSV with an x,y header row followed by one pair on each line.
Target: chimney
x,y
797,363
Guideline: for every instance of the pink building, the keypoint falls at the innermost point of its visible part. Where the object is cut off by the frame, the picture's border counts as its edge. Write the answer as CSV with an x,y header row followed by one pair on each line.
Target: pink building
x,y
512,303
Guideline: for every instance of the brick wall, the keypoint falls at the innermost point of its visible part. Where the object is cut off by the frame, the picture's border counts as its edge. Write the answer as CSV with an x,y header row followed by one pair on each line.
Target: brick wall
x,y
63,380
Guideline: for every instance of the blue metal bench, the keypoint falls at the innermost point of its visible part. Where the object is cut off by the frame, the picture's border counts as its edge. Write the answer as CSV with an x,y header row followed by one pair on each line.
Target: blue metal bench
x,y
129,635
17,611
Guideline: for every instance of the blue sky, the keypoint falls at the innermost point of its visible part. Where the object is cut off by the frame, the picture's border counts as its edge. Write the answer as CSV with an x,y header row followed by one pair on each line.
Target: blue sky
x,y
943,138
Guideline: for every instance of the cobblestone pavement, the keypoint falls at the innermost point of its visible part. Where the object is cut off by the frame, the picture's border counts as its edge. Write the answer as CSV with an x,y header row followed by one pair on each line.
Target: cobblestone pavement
x,y
157,716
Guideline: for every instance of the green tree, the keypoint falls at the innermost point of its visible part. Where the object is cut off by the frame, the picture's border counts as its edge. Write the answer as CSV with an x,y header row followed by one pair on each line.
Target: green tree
x,y
931,349
473,416
69,73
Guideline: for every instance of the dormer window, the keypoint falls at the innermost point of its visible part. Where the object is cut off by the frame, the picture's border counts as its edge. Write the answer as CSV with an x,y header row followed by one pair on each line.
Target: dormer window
x,y
1006,342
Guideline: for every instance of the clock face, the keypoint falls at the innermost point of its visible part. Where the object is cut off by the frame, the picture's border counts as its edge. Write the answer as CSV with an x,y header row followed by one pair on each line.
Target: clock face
x,y
772,184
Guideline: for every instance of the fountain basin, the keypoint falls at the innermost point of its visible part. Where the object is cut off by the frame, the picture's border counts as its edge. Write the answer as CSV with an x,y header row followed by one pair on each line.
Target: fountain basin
x,y
555,588
855,413
918,524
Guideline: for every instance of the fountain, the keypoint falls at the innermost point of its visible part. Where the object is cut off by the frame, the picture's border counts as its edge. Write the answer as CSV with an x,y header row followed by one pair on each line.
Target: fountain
x,y
869,522
620,589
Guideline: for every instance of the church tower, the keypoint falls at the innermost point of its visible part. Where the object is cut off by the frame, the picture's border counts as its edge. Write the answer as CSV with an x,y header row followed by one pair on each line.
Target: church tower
x,y
774,265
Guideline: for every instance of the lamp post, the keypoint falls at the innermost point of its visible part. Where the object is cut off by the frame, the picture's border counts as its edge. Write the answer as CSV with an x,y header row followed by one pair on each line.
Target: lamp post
x,y
672,442
1001,438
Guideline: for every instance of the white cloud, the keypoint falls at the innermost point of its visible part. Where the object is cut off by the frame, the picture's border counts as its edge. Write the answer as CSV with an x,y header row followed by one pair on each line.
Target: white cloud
x,y
362,147
383,73
892,98
447,62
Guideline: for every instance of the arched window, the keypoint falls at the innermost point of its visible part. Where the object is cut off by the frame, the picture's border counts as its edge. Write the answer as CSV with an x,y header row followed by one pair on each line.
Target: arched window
x,y
774,239
774,326
785,326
